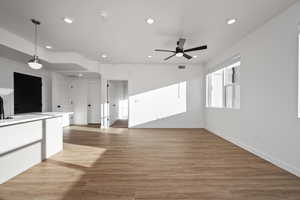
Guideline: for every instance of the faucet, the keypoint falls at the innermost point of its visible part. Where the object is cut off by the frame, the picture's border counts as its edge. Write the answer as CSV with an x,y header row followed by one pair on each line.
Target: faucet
x,y
1,108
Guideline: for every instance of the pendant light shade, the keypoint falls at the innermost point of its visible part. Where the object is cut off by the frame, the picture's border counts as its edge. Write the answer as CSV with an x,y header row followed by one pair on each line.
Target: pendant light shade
x,y
34,62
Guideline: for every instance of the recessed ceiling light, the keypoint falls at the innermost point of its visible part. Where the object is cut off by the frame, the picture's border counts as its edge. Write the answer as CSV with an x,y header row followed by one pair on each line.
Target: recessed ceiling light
x,y
68,20
80,75
149,56
104,14
104,56
48,47
195,56
150,21
231,21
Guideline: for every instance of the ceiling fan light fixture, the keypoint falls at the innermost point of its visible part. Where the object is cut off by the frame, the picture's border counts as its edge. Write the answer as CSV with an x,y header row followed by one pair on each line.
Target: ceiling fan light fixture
x,y
150,20
179,54
231,21
68,20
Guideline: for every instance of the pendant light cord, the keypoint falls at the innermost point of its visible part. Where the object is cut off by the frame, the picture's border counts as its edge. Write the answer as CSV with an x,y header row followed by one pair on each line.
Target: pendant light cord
x,y
35,39
36,23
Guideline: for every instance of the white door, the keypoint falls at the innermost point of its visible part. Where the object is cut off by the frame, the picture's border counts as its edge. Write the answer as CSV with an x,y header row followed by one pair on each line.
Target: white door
x,y
79,98
94,111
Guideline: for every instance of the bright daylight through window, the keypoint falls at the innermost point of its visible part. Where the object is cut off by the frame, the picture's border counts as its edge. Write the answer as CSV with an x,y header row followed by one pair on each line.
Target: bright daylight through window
x,y
223,88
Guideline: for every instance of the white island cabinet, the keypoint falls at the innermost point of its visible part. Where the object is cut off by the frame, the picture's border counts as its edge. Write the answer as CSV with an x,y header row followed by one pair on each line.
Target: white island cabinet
x,y
26,140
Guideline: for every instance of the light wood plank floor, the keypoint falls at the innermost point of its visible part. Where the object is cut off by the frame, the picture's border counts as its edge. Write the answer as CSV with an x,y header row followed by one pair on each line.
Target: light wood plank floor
x,y
120,124
122,164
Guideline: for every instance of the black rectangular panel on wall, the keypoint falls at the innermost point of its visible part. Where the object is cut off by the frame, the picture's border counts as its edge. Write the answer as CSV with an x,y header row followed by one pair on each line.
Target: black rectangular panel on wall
x,y
27,93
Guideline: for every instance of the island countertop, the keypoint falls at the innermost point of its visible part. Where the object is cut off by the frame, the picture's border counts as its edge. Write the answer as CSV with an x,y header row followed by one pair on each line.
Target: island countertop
x,y
55,113
18,119
23,118
28,139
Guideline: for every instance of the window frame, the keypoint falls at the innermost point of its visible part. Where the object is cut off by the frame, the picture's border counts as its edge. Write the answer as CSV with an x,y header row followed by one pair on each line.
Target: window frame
x,y
235,63
298,74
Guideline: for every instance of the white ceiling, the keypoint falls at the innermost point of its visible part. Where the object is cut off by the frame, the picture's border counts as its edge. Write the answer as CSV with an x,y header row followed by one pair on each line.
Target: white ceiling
x,y
125,37
85,75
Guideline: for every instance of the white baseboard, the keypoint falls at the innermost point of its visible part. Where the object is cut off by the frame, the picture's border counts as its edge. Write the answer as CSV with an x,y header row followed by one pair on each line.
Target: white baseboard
x,y
277,162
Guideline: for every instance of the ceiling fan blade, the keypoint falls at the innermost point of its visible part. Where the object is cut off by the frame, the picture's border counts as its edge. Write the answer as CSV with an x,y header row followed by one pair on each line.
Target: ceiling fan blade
x,y
196,48
187,56
181,43
163,50
170,57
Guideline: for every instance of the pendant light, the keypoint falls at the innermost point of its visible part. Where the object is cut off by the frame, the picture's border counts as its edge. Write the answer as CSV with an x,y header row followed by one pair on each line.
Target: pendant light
x,y
34,62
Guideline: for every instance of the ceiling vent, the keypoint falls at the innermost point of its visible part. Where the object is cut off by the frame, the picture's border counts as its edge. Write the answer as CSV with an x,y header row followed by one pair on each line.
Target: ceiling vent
x,y
181,67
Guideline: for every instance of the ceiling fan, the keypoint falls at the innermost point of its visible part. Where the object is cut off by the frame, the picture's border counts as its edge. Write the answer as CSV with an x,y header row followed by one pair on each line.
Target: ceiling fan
x,y
179,51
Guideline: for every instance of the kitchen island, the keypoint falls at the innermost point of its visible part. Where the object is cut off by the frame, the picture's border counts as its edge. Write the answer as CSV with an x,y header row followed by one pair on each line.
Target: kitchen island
x,y
26,140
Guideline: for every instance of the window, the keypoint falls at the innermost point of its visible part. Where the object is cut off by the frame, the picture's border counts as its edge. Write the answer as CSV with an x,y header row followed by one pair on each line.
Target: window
x,y
215,89
222,87
123,109
231,86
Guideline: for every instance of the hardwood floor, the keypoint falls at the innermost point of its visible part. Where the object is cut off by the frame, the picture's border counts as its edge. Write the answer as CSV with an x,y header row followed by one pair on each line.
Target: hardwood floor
x,y
151,164
120,124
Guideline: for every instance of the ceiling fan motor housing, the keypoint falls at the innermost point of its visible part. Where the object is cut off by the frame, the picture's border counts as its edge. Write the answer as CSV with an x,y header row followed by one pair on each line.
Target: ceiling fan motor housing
x,y
179,50
36,22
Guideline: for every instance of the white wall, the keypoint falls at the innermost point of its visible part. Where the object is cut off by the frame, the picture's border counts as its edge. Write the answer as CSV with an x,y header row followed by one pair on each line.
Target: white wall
x,y
7,69
146,77
267,122
74,95
61,93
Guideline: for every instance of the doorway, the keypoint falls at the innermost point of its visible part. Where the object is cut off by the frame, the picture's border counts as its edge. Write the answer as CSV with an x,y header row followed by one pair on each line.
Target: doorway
x,y
117,94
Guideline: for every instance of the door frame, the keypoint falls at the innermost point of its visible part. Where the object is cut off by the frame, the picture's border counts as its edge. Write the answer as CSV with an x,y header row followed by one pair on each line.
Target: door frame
x,y
107,99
